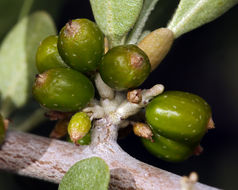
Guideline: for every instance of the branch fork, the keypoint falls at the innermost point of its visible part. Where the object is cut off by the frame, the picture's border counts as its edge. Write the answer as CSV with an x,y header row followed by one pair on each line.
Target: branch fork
x,y
49,159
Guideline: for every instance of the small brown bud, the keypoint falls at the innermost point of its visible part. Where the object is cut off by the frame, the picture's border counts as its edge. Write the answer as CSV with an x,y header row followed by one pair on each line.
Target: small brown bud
x,y
198,150
210,124
142,130
60,129
134,96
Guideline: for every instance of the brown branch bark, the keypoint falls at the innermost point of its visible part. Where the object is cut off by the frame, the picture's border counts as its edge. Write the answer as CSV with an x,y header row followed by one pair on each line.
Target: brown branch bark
x,y
48,159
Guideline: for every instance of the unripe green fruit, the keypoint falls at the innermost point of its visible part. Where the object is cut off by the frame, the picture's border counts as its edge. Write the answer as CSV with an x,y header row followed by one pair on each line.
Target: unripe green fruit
x,y
47,55
2,130
167,149
63,89
79,126
179,117
81,45
124,67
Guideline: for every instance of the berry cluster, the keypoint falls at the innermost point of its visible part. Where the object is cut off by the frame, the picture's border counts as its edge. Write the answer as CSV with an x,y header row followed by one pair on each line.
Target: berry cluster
x,y
179,120
68,62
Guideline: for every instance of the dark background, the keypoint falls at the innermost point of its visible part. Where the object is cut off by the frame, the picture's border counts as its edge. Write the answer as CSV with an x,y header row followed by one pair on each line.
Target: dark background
x,y
204,62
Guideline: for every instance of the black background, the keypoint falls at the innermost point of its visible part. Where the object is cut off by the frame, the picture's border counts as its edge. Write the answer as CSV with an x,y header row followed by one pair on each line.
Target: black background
x,y
204,62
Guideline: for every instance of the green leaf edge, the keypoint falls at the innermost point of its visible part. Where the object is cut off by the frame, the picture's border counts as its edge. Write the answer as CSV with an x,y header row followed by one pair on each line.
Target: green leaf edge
x,y
188,15
136,33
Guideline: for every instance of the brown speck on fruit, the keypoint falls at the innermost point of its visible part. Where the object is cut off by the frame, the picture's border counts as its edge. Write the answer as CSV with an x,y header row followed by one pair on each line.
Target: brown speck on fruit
x,y
40,79
71,28
75,136
136,60
134,96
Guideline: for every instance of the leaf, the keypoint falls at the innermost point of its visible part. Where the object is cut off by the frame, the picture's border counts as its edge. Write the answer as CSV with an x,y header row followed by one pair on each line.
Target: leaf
x,y
115,18
92,173
17,59
148,7
192,14
26,7
11,10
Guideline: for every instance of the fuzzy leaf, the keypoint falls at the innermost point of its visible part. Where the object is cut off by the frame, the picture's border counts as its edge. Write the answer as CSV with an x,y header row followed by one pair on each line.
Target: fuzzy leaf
x,y
192,14
17,59
115,18
148,7
92,173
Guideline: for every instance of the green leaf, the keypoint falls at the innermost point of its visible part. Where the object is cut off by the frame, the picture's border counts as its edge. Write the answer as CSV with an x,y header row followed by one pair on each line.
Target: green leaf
x,y
17,59
192,14
26,7
12,10
148,7
115,18
92,173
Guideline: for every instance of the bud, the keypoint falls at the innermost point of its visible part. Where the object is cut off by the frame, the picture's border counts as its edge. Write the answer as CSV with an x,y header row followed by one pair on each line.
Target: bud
x,y
142,130
156,45
60,129
134,96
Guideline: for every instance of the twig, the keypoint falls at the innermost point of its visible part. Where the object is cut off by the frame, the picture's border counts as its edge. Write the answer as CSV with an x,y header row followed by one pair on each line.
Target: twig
x,y
48,159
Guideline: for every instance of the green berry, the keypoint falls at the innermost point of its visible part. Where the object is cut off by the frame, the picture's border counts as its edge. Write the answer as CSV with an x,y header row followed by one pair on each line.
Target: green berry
x,y
47,56
124,67
167,149
63,89
79,126
179,120
179,116
81,45
2,130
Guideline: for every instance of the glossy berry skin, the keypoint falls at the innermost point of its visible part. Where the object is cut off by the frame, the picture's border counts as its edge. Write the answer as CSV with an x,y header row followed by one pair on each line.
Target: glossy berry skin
x,y
81,45
124,67
79,126
47,55
167,149
63,89
2,130
179,117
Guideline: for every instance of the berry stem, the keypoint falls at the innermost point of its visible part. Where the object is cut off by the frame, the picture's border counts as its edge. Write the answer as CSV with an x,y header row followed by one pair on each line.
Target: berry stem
x,y
104,90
